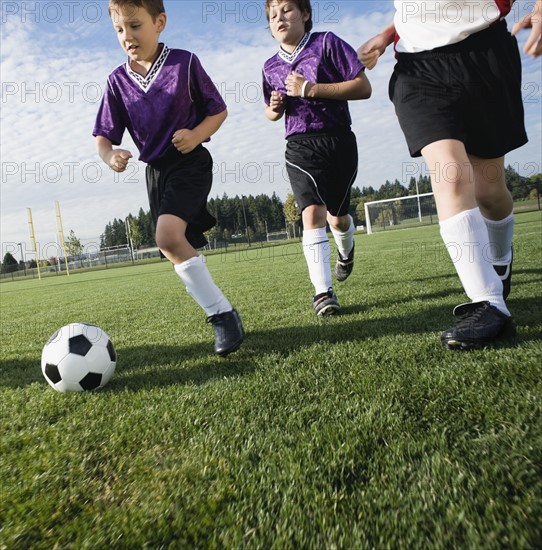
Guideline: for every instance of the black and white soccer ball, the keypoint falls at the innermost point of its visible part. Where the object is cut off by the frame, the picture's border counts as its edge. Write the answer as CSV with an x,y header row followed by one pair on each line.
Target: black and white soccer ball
x,y
78,357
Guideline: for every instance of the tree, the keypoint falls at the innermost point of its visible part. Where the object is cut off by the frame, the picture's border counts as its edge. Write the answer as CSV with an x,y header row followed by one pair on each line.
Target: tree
x,y
146,228
368,193
355,193
391,191
360,212
9,264
516,184
73,245
424,185
135,231
291,211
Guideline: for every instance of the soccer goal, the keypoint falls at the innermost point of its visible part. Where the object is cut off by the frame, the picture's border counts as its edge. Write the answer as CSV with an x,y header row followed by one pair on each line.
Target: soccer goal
x,y
400,213
277,236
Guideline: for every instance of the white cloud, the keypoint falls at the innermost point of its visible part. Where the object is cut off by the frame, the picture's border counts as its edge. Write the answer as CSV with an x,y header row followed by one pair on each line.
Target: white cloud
x,y
49,101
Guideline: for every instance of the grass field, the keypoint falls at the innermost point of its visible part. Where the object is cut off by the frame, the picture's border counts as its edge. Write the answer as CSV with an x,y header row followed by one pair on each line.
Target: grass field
x,y
359,431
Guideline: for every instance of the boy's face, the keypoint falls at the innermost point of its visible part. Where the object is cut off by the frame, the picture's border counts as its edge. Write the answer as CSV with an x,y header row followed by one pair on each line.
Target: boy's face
x,y
287,22
138,34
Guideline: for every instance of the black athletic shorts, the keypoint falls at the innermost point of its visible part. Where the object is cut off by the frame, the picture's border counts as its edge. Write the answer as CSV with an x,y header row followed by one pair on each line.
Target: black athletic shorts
x,y
180,184
322,169
469,91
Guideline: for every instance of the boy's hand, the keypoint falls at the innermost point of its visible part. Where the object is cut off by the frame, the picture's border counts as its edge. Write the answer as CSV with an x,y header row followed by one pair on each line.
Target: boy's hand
x,y
533,46
118,159
185,140
277,102
369,53
294,84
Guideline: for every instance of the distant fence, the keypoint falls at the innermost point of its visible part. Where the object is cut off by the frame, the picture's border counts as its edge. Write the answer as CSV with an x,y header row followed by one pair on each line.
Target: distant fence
x,y
99,260
120,256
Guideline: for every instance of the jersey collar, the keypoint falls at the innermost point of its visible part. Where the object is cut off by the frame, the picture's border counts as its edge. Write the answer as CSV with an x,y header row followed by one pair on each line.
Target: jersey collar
x,y
145,82
291,57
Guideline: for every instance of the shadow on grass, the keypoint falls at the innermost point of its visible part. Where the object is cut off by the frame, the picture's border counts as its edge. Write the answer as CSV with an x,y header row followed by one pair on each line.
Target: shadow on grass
x,y
150,366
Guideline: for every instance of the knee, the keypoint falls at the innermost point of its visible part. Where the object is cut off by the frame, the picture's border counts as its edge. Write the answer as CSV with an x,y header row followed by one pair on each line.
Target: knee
x,y
489,196
314,216
166,242
341,223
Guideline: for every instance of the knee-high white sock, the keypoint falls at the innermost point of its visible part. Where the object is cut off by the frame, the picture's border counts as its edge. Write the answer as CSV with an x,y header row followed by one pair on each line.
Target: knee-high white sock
x,y
344,241
466,238
317,252
500,234
200,285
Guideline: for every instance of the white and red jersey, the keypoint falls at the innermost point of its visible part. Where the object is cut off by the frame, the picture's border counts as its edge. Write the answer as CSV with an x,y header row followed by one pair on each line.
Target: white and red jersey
x,y
426,25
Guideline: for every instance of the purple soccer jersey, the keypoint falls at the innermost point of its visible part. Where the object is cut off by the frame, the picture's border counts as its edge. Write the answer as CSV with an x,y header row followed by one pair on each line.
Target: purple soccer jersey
x,y
176,94
321,57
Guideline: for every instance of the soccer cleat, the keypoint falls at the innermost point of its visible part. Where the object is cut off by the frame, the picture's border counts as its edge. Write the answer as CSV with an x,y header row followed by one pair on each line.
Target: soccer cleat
x,y
344,266
326,303
479,325
229,332
505,274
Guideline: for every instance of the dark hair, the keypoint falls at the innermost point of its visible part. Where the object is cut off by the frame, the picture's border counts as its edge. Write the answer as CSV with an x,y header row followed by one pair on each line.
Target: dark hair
x,y
304,6
154,7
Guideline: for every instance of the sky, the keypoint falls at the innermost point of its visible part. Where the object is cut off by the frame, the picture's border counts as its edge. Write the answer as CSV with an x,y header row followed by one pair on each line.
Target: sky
x,y
55,57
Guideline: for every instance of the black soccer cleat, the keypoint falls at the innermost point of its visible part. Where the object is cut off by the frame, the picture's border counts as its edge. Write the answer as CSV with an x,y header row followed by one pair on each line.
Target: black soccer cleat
x,y
480,324
326,303
505,274
229,332
344,266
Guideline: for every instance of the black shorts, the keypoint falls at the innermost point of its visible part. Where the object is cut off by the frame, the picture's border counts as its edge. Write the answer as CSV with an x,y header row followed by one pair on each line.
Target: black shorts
x,y
469,91
322,169
179,185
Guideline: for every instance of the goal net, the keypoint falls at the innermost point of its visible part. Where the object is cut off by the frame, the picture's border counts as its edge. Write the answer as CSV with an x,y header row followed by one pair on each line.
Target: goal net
x,y
277,236
400,213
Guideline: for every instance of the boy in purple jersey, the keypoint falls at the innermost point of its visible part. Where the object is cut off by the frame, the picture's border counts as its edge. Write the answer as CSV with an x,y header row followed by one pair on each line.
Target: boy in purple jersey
x,y
309,81
170,106
456,88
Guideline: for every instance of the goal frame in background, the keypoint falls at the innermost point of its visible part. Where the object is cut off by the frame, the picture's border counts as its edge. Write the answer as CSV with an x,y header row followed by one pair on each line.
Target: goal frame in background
x,y
420,215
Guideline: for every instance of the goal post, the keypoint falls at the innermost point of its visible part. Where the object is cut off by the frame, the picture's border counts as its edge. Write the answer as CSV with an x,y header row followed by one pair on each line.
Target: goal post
x,y
400,212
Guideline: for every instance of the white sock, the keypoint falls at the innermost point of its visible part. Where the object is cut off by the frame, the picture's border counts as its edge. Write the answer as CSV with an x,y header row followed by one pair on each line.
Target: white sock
x,y
466,238
317,253
344,241
200,285
501,234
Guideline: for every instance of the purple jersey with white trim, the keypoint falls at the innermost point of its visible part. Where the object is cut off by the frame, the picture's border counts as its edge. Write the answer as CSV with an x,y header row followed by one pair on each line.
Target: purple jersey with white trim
x,y
321,57
176,94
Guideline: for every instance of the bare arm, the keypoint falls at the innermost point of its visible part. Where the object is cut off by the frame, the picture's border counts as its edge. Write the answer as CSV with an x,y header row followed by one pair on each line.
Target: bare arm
x,y
275,110
186,140
116,159
533,46
357,88
369,52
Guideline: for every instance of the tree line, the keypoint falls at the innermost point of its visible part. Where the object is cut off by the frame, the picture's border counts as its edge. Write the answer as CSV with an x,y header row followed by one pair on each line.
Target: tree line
x,y
251,218
254,218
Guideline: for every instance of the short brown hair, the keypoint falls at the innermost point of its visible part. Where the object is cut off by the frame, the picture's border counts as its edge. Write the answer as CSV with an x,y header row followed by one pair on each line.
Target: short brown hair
x,y
303,6
154,7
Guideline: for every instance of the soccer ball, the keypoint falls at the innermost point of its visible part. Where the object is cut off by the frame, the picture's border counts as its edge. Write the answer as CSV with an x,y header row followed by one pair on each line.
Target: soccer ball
x,y
78,357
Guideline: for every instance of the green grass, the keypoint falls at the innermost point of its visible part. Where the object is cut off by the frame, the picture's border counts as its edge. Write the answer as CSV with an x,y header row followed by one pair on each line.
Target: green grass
x,y
359,431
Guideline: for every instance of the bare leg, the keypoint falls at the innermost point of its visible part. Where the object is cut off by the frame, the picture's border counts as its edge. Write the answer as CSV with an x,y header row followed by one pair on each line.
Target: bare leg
x,y
462,226
171,239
